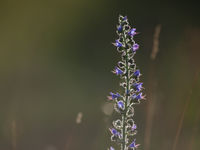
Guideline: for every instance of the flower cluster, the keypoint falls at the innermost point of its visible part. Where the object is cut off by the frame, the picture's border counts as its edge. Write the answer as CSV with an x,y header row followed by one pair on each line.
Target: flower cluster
x,y
124,128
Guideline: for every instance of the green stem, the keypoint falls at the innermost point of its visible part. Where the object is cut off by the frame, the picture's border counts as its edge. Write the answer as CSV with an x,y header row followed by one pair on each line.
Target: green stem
x,y
126,101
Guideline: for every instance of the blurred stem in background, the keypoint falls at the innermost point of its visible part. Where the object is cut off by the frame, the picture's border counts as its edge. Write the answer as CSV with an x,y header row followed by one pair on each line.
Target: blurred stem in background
x,y
151,103
180,124
14,135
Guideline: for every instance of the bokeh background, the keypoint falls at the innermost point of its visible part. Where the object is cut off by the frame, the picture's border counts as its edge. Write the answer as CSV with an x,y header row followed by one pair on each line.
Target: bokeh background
x,y
55,73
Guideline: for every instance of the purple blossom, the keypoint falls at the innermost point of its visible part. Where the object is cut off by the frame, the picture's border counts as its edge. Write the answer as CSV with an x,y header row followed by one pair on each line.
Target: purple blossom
x,y
125,18
120,105
113,96
135,47
119,28
118,71
137,73
137,86
139,96
133,127
132,32
111,148
117,43
133,145
114,132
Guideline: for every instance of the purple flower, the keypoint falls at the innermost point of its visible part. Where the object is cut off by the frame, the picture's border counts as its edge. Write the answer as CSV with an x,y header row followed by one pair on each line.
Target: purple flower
x,y
137,73
113,96
119,28
137,86
125,18
133,127
118,71
111,148
133,145
120,105
117,43
114,131
139,96
132,32
135,47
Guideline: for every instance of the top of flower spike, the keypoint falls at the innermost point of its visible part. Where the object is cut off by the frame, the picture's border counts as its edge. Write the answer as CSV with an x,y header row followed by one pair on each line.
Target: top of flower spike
x,y
126,34
122,18
124,24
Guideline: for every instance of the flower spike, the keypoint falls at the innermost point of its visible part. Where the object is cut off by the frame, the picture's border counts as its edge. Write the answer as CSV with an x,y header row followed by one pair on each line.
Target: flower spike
x,y
125,128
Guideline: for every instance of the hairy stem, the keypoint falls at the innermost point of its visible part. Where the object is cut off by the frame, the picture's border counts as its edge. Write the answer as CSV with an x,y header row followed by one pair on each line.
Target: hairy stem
x,y
126,101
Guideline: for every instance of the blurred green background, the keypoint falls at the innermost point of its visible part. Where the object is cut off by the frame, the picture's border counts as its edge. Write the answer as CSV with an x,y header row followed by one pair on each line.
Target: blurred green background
x,y
55,61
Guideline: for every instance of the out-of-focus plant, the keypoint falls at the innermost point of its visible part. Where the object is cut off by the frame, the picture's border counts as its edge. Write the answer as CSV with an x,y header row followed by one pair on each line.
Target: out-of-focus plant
x,y
124,128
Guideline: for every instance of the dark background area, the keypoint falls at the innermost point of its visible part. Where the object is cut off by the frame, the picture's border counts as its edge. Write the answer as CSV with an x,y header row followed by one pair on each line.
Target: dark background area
x,y
56,61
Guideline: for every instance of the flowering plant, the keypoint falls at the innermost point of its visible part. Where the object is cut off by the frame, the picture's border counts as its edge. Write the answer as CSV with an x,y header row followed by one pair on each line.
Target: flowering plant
x,y
125,128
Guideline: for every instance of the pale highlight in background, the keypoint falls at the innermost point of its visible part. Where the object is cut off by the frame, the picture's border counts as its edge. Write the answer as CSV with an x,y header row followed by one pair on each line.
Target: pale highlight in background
x,y
79,118
107,109
151,104
155,47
